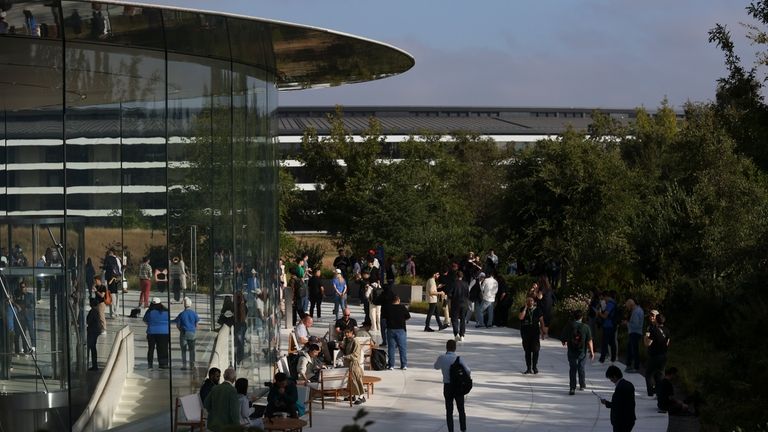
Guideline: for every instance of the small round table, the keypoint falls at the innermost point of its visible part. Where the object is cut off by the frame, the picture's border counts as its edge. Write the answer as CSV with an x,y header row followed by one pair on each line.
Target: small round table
x,y
285,424
368,382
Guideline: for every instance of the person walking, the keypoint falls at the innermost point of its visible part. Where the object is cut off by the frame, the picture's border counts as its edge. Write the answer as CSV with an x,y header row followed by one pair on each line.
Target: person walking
x,y
157,318
187,322
316,291
489,287
444,363
531,330
145,282
578,340
459,300
622,403
432,293
397,315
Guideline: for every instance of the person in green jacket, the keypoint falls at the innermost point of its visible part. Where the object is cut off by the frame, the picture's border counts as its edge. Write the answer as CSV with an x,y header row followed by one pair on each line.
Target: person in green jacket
x,y
223,404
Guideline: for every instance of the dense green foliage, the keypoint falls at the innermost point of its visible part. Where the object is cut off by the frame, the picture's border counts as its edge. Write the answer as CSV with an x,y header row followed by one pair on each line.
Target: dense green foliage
x,y
429,202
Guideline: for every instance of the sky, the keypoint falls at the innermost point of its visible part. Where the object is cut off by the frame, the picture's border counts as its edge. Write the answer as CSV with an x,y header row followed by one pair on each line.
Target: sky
x,y
522,53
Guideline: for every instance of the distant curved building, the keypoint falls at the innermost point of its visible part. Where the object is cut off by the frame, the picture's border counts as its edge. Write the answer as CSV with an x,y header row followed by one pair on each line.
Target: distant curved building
x,y
150,131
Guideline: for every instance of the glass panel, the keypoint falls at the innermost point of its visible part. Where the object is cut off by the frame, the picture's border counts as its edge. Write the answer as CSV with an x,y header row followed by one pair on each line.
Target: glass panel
x,y
37,19
114,24
197,34
116,163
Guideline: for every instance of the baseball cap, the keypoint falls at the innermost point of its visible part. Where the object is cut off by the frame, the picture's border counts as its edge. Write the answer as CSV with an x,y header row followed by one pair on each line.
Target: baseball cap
x,y
156,300
338,271
187,302
654,312
481,275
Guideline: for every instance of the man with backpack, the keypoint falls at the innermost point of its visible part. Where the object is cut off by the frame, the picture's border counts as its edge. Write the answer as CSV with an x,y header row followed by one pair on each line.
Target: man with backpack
x,y
450,365
578,339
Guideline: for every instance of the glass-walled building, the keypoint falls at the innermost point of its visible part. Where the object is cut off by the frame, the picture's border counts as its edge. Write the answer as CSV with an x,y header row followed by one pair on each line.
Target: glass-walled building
x,y
135,135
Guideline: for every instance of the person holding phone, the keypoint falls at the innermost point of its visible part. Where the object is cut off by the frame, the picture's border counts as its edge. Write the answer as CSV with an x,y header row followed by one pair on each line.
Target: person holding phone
x,y
622,403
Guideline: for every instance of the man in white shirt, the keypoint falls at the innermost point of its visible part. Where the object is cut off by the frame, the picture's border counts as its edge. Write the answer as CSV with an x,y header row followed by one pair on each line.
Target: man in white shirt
x,y
302,331
444,363
489,288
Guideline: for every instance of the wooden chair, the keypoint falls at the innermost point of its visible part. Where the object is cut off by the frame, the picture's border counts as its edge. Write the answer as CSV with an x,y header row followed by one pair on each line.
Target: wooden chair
x,y
332,381
293,343
304,394
192,408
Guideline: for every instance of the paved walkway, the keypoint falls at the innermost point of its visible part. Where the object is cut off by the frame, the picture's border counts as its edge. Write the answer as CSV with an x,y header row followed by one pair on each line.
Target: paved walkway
x,y
503,399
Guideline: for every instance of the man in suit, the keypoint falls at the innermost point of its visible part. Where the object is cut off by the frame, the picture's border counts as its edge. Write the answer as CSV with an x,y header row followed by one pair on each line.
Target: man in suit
x,y
622,403
223,404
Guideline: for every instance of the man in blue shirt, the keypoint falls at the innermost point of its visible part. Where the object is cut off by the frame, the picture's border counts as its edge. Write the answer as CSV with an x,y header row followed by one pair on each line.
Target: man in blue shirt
x,y
187,322
444,363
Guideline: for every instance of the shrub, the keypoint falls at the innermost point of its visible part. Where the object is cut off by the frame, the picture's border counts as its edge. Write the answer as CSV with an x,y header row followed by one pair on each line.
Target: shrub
x,y
418,307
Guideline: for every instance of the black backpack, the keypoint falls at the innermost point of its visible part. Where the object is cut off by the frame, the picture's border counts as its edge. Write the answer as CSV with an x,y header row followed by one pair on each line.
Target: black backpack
x,y
576,340
293,365
378,359
460,379
376,295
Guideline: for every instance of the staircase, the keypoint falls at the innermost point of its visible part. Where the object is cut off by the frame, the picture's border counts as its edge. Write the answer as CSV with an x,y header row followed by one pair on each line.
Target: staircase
x,y
141,397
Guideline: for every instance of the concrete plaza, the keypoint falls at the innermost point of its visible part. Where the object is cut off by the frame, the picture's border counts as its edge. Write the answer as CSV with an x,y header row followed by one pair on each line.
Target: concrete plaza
x,y
503,399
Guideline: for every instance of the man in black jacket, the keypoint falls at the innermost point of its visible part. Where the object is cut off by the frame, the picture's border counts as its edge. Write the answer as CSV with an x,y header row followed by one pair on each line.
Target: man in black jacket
x,y
622,403
397,315
459,300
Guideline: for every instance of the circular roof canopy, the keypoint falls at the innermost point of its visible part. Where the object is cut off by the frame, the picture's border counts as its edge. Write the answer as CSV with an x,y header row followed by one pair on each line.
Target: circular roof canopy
x,y
299,56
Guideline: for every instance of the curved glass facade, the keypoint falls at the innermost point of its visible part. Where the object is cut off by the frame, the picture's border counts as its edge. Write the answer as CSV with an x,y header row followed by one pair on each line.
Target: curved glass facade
x,y
133,129
149,132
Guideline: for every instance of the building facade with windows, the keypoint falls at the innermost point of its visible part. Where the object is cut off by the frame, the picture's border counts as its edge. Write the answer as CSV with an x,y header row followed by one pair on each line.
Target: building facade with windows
x,y
507,126
152,132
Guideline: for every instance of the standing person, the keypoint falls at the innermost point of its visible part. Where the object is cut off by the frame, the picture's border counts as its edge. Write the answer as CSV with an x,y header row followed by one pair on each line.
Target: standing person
x,y
294,288
187,322
177,272
622,403
635,329
157,318
489,288
161,279
341,262
90,271
386,298
410,265
94,329
459,299
657,341
503,302
397,315
547,302
608,314
432,293
364,293
145,281
578,339
375,306
99,292
223,404
113,275
351,354
531,330
444,363
316,291
339,294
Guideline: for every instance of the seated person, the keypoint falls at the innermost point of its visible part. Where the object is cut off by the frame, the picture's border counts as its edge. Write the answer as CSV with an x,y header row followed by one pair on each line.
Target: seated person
x,y
309,364
283,397
344,323
214,376
241,385
302,330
